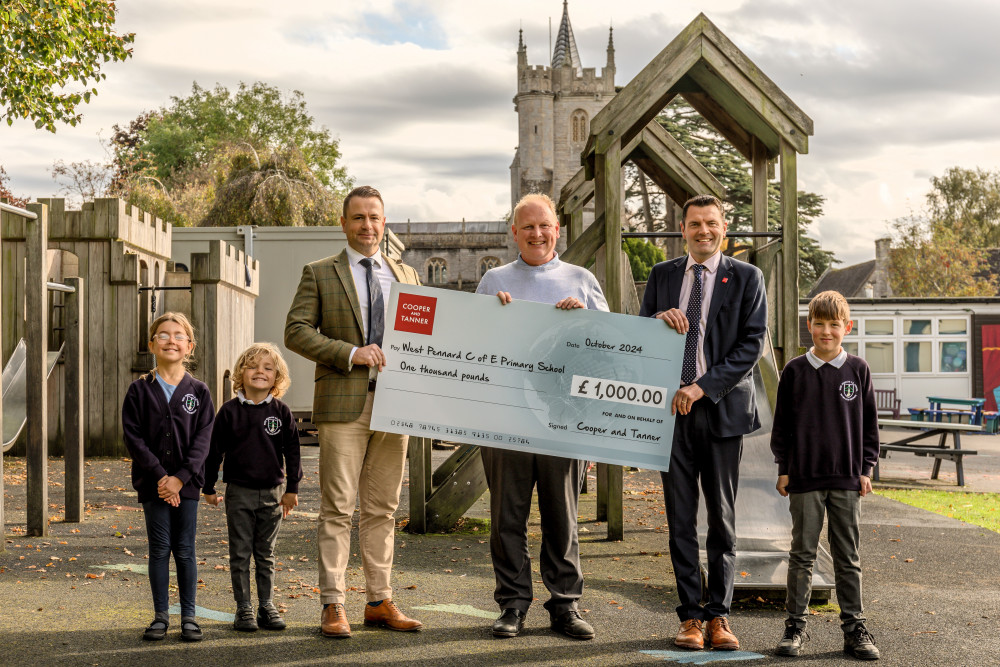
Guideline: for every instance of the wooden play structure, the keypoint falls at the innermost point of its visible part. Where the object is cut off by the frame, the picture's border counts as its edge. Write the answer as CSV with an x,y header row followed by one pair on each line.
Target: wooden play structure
x,y
121,254
704,67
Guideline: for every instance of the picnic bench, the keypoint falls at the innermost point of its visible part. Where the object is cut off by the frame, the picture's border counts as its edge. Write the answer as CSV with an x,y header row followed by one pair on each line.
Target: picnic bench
x,y
973,407
928,430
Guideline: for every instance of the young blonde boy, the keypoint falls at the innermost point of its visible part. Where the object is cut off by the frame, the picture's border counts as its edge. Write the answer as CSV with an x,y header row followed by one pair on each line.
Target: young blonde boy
x,y
256,440
825,442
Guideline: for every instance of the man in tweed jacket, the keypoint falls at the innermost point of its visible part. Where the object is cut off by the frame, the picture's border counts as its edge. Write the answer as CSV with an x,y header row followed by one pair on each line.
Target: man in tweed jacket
x,y
329,323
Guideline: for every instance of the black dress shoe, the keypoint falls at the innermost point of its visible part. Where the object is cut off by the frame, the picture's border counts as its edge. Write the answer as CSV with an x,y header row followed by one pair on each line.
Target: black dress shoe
x,y
571,625
509,624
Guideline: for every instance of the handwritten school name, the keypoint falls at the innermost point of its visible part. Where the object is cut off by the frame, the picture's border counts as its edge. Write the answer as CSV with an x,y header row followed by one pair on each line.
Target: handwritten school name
x,y
480,358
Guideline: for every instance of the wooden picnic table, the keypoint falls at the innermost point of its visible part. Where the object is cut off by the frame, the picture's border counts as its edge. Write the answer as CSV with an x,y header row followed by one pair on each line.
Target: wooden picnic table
x,y
927,430
972,405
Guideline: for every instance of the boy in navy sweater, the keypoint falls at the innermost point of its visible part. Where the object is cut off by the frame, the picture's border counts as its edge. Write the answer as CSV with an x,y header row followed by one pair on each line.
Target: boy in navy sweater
x,y
825,442
255,435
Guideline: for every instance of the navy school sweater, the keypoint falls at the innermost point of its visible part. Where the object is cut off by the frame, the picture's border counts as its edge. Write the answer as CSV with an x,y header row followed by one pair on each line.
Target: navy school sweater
x,y
256,445
167,438
825,433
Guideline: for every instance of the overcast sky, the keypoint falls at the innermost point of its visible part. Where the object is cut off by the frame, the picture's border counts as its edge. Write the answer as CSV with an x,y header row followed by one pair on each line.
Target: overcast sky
x,y
419,93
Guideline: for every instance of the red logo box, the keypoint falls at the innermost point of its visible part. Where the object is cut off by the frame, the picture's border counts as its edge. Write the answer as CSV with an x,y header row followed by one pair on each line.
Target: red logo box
x,y
415,313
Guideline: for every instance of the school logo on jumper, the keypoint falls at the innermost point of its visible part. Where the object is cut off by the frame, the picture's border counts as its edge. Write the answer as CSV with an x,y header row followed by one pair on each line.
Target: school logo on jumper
x,y
272,425
415,313
848,390
189,403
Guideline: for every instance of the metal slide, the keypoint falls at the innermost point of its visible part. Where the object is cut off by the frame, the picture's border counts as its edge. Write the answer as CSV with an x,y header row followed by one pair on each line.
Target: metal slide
x,y
15,403
763,524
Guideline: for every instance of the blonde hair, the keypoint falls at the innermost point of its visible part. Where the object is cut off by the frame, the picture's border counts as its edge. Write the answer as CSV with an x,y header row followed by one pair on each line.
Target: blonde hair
x,y
177,318
829,305
251,356
537,198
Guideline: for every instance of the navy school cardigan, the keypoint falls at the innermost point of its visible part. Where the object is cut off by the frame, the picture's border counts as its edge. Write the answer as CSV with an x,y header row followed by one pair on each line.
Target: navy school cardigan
x,y
167,438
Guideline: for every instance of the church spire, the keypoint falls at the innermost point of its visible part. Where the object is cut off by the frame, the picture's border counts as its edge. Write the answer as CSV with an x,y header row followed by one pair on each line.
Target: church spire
x,y
611,51
565,51
522,50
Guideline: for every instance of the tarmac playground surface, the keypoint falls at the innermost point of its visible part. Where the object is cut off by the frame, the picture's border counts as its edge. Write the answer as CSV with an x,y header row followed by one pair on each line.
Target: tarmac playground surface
x,y
80,595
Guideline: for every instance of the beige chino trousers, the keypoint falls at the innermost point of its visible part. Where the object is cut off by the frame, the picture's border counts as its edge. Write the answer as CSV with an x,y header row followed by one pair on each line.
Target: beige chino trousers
x,y
356,462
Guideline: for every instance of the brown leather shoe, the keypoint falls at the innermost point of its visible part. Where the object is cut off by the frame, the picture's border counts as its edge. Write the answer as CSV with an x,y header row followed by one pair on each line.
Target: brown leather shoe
x,y
334,621
388,615
720,636
690,635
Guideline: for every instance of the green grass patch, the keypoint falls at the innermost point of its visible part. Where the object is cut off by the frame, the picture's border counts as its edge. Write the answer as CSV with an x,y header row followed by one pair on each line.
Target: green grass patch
x,y
470,526
980,509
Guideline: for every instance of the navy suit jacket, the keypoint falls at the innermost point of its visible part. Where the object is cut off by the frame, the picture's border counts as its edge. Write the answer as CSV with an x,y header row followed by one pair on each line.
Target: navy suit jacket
x,y
734,336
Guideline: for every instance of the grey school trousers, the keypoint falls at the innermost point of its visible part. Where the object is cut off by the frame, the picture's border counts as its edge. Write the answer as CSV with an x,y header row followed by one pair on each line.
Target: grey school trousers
x,y
253,517
511,477
843,511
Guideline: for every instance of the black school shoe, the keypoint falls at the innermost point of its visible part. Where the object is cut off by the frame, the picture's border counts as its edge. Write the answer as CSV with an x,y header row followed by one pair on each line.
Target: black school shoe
x,y
191,631
244,621
860,644
791,643
156,631
269,618
510,623
573,626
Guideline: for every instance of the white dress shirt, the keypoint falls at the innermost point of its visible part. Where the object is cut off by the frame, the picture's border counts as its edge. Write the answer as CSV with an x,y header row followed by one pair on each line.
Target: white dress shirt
x,y
708,277
385,279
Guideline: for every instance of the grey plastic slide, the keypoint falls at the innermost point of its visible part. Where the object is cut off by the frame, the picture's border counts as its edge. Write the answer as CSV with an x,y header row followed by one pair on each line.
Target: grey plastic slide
x,y
763,524
15,408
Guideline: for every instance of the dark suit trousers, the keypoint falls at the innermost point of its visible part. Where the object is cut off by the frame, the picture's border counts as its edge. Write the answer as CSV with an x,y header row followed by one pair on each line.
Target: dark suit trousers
x,y
698,454
511,476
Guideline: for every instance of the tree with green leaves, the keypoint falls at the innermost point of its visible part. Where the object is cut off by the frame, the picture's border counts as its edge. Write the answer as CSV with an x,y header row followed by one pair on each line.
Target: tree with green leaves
x,y
968,201
642,256
278,190
930,258
179,160
944,250
731,169
51,54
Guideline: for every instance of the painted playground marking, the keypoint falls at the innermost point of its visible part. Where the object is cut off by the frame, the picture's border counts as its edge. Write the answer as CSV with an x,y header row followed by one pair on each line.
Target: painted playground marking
x,y
464,609
201,612
702,657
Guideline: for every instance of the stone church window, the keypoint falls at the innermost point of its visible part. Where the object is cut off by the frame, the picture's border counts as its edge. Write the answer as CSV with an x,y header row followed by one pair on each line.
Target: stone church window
x,y
437,271
487,263
578,126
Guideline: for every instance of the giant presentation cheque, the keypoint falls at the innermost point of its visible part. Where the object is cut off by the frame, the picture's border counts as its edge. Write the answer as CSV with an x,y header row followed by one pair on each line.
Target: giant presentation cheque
x,y
527,376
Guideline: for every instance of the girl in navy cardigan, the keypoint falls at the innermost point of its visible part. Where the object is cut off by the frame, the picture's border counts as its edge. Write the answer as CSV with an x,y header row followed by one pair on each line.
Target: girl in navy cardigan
x,y
167,418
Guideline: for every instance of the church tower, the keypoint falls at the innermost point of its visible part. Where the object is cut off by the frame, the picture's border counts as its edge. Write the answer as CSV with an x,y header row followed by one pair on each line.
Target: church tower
x,y
554,105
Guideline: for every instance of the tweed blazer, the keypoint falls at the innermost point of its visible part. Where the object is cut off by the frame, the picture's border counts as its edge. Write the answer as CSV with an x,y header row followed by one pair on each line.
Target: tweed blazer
x,y
324,324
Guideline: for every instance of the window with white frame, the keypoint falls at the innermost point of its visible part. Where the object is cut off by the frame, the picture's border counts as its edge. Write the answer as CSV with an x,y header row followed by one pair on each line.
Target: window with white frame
x,y
926,344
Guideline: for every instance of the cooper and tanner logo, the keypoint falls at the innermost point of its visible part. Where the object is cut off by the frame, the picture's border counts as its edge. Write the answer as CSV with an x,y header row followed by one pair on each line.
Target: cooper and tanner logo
x,y
415,313
272,425
189,403
848,390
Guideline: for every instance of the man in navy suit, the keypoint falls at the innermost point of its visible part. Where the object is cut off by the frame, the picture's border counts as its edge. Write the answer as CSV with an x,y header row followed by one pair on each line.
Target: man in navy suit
x,y
719,304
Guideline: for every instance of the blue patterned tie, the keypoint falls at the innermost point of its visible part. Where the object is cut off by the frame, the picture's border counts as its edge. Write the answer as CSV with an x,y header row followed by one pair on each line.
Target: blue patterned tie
x,y
376,306
689,368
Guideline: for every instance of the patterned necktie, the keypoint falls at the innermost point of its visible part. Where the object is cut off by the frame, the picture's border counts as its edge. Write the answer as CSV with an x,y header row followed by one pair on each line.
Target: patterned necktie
x,y
376,306
689,368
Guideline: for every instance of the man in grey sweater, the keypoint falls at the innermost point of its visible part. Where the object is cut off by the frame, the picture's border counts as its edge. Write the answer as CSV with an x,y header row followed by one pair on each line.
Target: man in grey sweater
x,y
537,275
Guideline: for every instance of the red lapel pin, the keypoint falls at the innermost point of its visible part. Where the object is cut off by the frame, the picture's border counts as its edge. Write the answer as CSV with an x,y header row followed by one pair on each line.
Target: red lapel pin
x,y
725,280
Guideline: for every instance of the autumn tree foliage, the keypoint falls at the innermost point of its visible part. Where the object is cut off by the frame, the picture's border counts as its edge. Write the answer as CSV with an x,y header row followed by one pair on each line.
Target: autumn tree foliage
x,y
931,259
51,55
